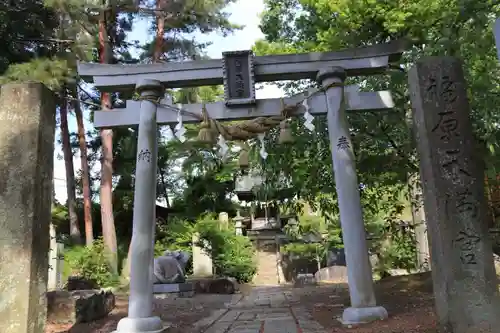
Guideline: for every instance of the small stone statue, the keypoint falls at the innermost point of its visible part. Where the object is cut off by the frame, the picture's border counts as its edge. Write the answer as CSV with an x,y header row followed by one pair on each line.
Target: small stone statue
x,y
169,268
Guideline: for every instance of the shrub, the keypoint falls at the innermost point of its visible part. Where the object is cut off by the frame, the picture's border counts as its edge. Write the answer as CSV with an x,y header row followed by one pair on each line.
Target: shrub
x,y
177,234
232,255
90,263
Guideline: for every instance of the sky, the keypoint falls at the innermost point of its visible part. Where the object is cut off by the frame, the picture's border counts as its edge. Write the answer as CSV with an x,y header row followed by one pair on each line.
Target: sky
x,y
243,12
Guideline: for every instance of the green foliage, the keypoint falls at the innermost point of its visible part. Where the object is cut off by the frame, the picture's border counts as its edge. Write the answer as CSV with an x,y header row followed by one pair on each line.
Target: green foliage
x,y
232,255
384,147
26,28
51,72
304,250
176,235
91,263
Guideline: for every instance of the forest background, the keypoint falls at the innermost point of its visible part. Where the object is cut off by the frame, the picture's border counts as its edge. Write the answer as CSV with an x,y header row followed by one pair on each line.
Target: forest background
x,y
45,39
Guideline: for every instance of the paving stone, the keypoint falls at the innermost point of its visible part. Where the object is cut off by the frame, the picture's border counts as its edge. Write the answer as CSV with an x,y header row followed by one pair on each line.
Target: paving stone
x,y
262,302
246,330
247,316
319,329
230,316
219,327
310,325
246,324
271,315
207,321
280,326
267,309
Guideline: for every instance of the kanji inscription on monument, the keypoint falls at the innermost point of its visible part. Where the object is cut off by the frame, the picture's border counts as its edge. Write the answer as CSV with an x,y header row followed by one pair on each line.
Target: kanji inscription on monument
x,y
239,81
454,202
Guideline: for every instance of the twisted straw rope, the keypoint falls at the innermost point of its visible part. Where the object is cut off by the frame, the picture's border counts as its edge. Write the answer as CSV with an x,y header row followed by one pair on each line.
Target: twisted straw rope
x,y
247,129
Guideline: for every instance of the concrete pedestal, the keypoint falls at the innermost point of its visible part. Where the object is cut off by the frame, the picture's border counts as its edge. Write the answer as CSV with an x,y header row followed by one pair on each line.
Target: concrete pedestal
x,y
140,325
352,316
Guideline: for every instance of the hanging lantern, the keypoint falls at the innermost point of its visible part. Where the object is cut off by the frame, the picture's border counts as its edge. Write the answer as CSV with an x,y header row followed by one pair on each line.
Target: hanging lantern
x,y
286,135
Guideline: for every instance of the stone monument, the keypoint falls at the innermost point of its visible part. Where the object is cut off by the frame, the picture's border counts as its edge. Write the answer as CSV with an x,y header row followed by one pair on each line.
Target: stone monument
x,y
465,283
169,268
27,124
56,261
202,262
224,220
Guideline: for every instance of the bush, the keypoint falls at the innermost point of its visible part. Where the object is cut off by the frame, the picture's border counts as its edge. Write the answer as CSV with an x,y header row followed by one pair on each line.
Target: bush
x,y
90,263
176,235
232,255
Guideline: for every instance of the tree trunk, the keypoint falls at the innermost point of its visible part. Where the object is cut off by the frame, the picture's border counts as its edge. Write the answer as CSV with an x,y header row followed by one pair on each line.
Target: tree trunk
x,y
160,31
74,228
164,185
419,223
87,194
106,194
416,199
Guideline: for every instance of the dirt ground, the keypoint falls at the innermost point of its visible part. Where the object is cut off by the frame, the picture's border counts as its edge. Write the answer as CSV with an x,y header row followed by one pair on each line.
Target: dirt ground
x,y
180,316
408,299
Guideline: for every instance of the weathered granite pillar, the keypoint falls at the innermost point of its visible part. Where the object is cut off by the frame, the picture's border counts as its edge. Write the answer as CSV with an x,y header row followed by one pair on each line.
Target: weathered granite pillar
x,y
363,304
27,124
465,283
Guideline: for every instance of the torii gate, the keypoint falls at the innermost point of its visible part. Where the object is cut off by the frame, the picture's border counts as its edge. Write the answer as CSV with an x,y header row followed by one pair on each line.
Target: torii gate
x,y
239,71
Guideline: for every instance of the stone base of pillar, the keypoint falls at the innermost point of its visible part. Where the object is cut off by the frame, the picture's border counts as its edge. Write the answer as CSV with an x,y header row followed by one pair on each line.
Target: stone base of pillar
x,y
353,316
140,325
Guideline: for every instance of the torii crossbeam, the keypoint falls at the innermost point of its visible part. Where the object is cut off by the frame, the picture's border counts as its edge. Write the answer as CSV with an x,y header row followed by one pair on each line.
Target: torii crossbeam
x,y
239,71
361,61
356,102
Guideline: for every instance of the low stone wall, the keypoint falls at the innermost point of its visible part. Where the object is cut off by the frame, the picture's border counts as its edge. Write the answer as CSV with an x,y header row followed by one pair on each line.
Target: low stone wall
x,y
79,306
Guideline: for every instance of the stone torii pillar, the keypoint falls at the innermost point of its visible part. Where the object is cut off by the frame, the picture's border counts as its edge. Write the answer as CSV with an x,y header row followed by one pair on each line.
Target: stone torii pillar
x,y
140,310
363,304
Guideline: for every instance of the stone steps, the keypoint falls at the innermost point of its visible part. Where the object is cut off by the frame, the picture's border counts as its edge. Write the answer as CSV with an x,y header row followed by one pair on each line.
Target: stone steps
x,y
267,273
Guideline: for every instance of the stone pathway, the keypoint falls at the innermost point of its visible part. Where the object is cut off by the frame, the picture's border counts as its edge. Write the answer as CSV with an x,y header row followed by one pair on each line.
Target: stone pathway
x,y
264,310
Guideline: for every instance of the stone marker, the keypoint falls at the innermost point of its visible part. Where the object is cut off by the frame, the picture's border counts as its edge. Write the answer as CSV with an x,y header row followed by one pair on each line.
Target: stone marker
x,y
224,220
202,263
55,261
465,284
27,124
